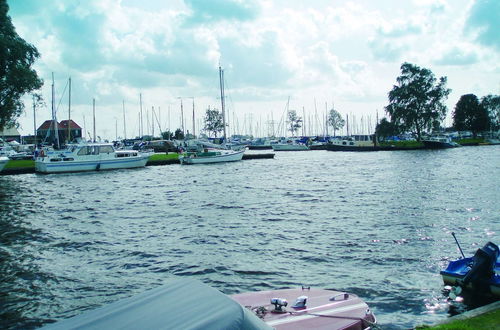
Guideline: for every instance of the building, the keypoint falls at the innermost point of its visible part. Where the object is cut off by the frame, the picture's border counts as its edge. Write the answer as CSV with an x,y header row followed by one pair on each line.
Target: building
x,y
46,132
9,134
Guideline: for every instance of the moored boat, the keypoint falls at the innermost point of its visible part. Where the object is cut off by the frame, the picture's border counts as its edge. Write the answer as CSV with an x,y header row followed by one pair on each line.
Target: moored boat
x,y
88,157
290,146
353,143
439,142
190,304
479,274
210,156
3,162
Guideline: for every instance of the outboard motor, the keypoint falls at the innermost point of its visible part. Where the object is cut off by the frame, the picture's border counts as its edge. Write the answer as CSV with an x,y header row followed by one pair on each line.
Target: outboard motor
x,y
483,265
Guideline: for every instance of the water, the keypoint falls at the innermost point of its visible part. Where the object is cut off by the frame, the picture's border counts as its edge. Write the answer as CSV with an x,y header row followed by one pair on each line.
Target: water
x,y
375,224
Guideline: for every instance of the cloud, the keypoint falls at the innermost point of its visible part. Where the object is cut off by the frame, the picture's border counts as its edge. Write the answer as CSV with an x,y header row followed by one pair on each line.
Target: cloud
x,y
387,51
216,10
483,22
458,56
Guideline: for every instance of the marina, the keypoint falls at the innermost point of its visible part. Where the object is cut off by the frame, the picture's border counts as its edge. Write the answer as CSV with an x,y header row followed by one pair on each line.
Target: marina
x,y
361,221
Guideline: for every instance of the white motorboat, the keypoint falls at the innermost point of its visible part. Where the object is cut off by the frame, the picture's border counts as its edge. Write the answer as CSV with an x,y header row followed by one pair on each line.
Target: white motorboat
x,y
3,162
289,146
210,156
440,142
89,157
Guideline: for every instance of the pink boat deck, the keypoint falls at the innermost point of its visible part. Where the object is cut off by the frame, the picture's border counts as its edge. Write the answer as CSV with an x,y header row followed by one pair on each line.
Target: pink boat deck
x,y
346,311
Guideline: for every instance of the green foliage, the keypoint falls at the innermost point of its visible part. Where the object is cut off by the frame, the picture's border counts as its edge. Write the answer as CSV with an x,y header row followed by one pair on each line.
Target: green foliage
x,y
416,102
487,320
470,115
179,135
335,120
492,105
213,122
17,77
167,135
385,129
294,121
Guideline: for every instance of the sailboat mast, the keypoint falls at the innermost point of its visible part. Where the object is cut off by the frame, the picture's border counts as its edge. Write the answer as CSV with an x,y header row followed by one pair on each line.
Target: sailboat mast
x,y
54,118
34,120
193,121
93,116
69,110
124,125
222,101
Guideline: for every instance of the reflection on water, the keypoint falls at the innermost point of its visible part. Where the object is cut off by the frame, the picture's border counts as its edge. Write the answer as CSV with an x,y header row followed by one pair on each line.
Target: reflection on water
x,y
375,224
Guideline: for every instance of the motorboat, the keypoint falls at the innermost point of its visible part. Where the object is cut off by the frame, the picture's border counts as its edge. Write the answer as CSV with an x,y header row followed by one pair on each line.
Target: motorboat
x,y
88,157
209,156
290,145
3,162
479,274
361,142
189,304
439,142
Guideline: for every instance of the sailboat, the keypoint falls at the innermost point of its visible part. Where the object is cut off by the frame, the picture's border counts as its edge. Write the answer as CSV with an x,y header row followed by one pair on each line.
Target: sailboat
x,y
213,155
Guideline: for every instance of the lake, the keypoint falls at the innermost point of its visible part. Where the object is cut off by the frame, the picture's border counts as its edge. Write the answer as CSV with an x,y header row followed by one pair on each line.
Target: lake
x,y
376,224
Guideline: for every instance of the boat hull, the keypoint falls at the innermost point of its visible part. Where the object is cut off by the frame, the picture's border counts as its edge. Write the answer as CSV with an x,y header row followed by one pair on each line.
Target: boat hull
x,y
339,147
216,158
45,166
290,147
438,145
3,162
346,311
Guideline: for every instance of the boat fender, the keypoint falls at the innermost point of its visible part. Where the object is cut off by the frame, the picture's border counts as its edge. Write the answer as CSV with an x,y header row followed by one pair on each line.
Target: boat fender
x,y
42,153
98,167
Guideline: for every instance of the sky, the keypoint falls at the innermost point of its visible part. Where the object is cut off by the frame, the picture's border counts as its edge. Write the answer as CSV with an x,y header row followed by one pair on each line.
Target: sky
x,y
308,56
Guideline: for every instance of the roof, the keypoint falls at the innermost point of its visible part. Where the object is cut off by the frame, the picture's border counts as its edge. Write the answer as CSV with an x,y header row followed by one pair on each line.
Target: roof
x,y
48,125
9,131
180,304
73,125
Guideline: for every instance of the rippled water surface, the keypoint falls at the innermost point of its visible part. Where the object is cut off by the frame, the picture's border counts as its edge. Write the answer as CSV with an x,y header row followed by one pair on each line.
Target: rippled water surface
x,y
375,224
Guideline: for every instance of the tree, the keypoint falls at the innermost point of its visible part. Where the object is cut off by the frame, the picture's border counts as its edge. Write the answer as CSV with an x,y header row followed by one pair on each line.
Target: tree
x,y
470,115
294,121
17,77
167,135
416,102
385,129
179,135
335,120
492,105
213,121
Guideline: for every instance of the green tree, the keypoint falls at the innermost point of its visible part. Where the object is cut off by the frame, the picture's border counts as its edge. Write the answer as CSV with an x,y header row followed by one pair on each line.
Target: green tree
x,y
179,135
385,129
294,121
492,105
416,102
167,135
213,121
335,120
17,77
470,115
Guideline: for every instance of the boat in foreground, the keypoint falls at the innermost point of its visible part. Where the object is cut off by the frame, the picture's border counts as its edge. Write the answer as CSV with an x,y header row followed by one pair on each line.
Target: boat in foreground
x,y
3,162
289,146
190,304
352,143
479,274
210,156
89,157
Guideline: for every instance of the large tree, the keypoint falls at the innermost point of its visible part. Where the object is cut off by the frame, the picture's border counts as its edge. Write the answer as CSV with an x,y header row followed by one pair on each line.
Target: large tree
x,y
416,102
335,120
492,105
470,115
213,121
294,121
17,77
385,129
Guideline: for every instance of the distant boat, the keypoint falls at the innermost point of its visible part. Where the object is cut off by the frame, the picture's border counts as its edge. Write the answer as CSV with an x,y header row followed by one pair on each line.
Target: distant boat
x,y
290,145
210,156
89,157
3,162
353,143
439,142
167,307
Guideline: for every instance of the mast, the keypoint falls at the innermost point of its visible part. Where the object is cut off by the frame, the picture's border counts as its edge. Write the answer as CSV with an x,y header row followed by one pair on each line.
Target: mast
x,y
222,101
141,133
69,110
34,119
93,115
54,118
193,120
182,117
124,125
